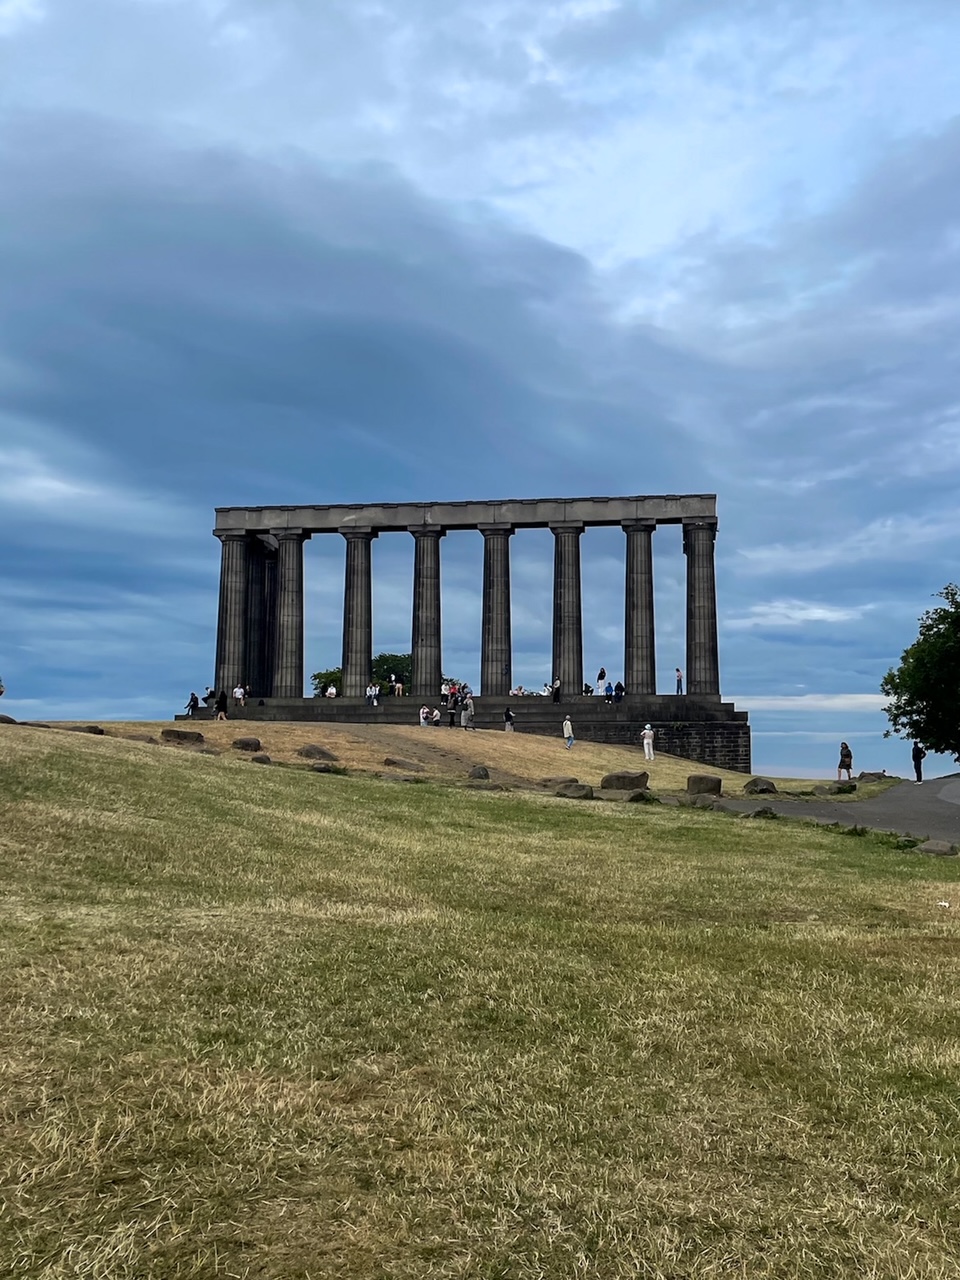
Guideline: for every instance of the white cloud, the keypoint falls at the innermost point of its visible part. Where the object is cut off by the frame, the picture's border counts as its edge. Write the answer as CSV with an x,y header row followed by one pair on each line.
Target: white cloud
x,y
16,13
33,485
794,613
899,538
817,702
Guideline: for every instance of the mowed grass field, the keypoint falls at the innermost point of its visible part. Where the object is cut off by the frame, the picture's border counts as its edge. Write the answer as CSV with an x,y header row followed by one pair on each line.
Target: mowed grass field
x,y
260,1022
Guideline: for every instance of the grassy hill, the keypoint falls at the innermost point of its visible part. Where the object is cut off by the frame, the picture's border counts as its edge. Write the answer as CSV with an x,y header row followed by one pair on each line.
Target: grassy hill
x,y
270,1023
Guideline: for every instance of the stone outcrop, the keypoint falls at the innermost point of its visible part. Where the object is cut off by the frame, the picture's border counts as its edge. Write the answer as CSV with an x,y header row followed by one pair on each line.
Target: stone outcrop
x,y
312,751
703,784
247,744
574,791
625,781
182,737
759,787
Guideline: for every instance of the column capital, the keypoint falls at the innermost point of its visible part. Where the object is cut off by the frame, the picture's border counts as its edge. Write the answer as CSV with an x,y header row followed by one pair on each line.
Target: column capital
x,y
360,532
285,535
230,535
426,530
505,530
638,526
693,526
566,526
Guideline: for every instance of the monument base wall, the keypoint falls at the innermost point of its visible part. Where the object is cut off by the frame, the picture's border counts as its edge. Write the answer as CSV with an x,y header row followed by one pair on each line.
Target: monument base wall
x,y
706,730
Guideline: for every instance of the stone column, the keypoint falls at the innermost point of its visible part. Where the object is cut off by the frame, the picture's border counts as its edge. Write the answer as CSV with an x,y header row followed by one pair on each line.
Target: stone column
x,y
703,661
288,651
256,666
639,650
270,559
357,613
426,677
232,616
567,609
496,656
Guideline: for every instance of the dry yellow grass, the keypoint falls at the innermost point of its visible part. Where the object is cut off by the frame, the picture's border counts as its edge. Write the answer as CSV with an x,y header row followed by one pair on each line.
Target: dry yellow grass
x,y
449,754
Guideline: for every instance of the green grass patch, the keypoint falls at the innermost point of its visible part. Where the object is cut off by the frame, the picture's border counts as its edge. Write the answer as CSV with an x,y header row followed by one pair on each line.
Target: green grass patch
x,y
268,1023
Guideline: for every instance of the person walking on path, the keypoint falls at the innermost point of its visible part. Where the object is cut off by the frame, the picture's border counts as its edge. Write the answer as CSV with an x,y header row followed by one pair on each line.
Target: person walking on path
x,y
466,715
568,732
846,762
918,754
679,675
221,705
193,705
647,739
508,720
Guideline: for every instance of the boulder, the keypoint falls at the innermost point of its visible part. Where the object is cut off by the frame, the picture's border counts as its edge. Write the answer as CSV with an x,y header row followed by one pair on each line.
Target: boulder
x,y
763,812
261,759
871,777
624,781
556,782
703,801
479,771
247,744
835,789
85,728
182,737
759,787
703,784
314,752
7,720
938,849
574,791
638,796
323,768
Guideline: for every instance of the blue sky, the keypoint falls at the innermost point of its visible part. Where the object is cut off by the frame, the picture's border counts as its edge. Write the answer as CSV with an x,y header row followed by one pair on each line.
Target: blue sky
x,y
285,252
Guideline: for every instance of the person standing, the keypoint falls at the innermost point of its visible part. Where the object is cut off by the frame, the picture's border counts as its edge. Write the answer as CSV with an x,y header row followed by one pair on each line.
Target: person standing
x,y
555,687
918,754
679,675
846,762
221,705
508,720
601,680
568,732
647,739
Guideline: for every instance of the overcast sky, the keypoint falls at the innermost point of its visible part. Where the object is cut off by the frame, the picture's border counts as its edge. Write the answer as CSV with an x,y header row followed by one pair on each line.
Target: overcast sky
x,y
277,251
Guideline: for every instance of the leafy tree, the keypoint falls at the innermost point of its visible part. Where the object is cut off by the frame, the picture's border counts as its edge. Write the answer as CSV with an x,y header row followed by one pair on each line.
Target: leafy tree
x,y
924,691
320,679
385,665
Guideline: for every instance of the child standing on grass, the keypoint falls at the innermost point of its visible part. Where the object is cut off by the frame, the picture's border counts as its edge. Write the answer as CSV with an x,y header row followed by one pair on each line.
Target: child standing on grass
x,y
568,732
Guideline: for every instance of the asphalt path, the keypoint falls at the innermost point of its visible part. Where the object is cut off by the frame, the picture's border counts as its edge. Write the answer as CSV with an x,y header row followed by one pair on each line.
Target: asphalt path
x,y
930,811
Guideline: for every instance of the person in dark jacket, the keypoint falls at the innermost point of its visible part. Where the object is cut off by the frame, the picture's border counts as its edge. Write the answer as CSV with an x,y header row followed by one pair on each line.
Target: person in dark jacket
x,y
846,762
221,705
918,754
193,705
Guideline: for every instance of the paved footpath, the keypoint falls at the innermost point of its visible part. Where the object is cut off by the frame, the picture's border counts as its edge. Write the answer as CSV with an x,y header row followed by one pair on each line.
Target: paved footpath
x,y
930,811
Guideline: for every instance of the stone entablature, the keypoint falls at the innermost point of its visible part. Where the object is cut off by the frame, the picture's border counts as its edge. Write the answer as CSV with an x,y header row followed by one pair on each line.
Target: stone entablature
x,y
520,513
261,620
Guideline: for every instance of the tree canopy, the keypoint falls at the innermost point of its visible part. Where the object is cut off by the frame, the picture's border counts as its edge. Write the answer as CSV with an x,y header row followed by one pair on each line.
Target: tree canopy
x,y
385,665
924,691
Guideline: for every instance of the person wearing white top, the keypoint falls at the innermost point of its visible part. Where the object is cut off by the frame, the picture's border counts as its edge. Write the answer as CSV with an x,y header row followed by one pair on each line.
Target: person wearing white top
x,y
239,696
647,739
